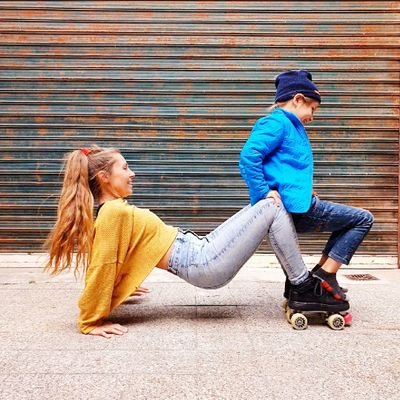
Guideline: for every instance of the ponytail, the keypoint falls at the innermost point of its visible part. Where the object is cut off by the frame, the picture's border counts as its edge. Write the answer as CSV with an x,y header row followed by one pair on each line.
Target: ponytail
x,y
74,225
70,241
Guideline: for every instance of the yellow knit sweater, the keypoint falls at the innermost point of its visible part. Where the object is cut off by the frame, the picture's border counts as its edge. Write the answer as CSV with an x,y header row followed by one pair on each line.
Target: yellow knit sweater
x,y
129,242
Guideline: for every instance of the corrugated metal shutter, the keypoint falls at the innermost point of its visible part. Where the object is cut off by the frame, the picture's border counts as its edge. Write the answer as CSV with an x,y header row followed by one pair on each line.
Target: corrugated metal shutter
x,y
177,86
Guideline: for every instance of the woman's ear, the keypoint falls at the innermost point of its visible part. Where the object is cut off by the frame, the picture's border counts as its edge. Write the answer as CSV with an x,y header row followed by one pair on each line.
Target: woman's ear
x,y
103,177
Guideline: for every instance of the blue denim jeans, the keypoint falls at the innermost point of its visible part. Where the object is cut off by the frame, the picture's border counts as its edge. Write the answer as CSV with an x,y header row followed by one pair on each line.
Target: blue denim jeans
x,y
213,260
349,226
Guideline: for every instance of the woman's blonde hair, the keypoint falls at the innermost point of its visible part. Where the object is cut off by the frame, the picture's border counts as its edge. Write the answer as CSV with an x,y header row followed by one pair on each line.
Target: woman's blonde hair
x,y
73,230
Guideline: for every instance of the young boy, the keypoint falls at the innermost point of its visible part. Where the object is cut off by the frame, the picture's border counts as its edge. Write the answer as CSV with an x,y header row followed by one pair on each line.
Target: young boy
x,y
277,162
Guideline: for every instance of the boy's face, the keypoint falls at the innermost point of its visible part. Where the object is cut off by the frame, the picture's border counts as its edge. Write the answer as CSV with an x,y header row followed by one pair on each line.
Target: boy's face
x,y
305,109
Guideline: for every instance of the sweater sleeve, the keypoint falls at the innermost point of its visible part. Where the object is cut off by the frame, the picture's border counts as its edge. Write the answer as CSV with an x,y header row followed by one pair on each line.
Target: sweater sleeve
x,y
95,301
264,139
111,243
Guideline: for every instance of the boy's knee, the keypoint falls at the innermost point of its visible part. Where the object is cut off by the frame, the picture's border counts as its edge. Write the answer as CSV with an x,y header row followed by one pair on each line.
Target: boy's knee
x,y
368,218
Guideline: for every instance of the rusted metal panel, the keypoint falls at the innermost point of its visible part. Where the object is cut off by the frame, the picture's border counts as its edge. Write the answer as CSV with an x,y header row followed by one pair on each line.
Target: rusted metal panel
x,y
177,86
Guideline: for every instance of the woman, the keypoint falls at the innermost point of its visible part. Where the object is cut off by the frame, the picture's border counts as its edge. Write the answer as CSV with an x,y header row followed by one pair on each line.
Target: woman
x,y
125,243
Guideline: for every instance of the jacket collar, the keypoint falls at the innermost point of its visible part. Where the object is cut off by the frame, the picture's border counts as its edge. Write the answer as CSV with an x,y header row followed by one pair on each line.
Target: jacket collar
x,y
293,117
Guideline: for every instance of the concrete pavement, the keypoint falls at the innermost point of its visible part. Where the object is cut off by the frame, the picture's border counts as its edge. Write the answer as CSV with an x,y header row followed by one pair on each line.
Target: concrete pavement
x,y
188,343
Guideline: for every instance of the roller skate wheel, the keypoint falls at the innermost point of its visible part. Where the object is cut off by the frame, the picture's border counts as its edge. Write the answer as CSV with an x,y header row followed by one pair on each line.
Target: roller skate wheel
x,y
285,304
299,321
336,322
288,314
348,319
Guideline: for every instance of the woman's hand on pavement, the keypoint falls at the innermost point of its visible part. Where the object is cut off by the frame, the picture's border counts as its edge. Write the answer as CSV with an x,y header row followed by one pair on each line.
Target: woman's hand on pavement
x,y
140,291
109,330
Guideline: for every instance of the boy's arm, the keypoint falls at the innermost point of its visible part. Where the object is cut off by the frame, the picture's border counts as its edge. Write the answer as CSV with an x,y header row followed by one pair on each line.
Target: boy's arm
x,y
262,142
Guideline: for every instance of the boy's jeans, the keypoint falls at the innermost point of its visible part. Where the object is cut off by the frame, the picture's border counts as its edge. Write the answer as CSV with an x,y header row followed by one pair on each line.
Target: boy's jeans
x,y
213,260
349,226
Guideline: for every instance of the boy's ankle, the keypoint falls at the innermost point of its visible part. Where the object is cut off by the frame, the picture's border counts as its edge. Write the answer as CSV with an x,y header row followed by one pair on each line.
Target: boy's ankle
x,y
316,268
330,284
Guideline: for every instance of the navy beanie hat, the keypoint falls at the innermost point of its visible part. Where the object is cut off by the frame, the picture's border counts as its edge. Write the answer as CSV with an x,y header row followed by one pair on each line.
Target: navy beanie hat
x,y
289,83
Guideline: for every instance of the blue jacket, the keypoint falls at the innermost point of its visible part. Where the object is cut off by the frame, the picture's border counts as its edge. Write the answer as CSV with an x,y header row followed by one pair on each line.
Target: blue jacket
x,y
278,156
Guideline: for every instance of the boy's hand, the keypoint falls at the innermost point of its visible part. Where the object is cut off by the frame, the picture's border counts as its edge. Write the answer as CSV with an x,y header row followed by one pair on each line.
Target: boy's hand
x,y
273,194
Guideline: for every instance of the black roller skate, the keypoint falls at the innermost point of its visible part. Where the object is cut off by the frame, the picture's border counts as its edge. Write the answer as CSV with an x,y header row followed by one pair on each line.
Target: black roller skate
x,y
286,292
288,285
310,297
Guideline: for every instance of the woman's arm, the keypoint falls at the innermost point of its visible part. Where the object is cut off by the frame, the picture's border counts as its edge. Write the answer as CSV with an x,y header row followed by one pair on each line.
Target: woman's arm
x,y
95,301
111,242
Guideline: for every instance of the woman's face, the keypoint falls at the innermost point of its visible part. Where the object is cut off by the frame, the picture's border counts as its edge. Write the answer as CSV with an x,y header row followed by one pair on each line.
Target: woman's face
x,y
118,182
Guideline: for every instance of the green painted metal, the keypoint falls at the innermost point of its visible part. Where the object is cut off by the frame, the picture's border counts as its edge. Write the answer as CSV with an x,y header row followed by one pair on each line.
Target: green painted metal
x,y
177,87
